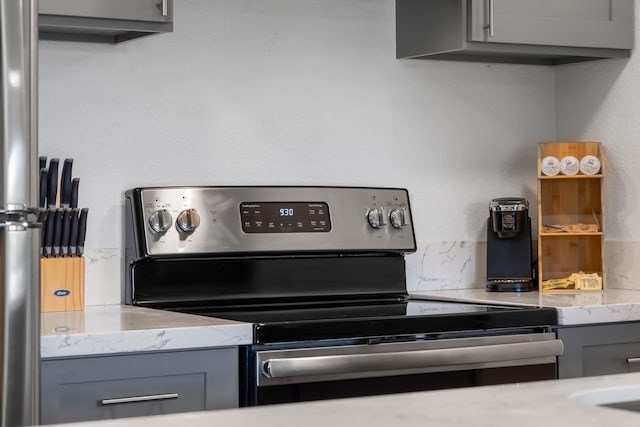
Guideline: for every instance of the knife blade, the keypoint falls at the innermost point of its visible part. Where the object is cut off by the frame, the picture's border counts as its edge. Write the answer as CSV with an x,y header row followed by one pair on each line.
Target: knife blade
x,y
42,201
82,231
43,162
48,233
52,185
57,232
73,238
65,183
66,232
75,184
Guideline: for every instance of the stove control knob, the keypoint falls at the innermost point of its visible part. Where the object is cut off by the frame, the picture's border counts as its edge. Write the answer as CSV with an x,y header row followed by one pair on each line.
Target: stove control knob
x,y
160,221
398,218
376,217
188,220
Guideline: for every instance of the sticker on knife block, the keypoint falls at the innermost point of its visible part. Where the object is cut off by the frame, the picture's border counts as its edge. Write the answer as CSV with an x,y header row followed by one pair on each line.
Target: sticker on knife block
x,y
61,284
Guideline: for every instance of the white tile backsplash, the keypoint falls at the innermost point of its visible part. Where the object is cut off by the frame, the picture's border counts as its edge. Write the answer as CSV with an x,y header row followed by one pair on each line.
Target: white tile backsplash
x,y
622,269
102,282
462,265
446,265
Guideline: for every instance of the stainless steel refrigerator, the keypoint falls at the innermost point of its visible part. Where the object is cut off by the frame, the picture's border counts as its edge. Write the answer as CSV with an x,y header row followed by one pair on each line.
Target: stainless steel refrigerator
x,y
19,230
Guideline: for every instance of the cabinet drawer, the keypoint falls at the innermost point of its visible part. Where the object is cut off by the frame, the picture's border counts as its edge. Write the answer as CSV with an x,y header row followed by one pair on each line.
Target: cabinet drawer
x,y
599,350
611,358
98,400
105,387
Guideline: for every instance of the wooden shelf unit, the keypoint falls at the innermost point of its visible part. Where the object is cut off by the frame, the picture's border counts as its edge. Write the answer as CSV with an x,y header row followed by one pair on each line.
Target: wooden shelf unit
x,y
595,233
565,201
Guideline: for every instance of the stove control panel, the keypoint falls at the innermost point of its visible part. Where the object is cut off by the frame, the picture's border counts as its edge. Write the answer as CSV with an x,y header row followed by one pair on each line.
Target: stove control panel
x,y
285,217
217,220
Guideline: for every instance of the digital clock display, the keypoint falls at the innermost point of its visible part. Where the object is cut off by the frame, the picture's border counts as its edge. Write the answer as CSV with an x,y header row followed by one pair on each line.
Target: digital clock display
x,y
285,217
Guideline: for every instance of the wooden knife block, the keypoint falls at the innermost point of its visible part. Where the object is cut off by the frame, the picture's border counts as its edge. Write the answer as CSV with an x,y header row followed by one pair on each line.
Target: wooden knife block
x,y
61,284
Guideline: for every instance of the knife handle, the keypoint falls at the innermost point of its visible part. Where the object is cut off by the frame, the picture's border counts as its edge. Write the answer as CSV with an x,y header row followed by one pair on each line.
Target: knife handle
x,y
48,231
42,191
82,231
66,232
65,183
43,162
73,238
57,232
42,219
52,186
75,184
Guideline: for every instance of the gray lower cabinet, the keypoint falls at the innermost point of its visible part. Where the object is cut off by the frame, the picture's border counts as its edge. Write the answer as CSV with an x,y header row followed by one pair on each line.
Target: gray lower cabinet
x,y
128,385
599,350
520,31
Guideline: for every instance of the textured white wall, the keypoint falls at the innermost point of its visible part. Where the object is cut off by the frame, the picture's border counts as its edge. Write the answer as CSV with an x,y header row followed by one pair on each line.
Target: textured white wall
x,y
600,101
292,92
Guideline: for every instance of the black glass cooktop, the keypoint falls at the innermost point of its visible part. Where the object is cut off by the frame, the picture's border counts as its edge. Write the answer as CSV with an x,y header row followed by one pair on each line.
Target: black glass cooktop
x,y
335,320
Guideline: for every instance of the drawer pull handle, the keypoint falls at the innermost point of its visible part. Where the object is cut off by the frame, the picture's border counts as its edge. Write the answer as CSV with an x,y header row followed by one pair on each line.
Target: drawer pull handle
x,y
139,398
633,360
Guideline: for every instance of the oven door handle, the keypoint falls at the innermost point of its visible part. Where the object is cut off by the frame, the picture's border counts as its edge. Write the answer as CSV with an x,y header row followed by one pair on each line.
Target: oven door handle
x,y
409,360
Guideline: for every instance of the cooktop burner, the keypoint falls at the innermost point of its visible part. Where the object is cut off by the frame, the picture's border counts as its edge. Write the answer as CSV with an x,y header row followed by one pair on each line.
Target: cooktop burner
x,y
377,319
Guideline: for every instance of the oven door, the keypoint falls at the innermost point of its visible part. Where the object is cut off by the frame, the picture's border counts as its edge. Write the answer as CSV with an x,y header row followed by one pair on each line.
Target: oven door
x,y
299,374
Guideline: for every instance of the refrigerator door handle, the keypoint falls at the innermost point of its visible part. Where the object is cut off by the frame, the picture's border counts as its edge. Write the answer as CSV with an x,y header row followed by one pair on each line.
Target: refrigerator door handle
x,y
20,243
20,233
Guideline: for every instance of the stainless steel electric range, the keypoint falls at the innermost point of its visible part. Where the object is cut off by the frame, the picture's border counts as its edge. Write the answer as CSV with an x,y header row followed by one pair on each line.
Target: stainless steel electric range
x,y
320,273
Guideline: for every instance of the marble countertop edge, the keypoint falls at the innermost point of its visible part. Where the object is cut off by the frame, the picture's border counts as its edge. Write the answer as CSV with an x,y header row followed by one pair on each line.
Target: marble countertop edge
x,y
611,305
101,330
121,329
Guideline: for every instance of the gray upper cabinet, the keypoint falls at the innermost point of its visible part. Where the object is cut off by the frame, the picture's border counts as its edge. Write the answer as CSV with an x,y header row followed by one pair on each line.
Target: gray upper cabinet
x,y
517,31
577,23
103,21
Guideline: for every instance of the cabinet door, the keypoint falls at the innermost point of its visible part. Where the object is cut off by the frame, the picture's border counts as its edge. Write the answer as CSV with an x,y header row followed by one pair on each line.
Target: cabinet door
x,y
135,10
576,23
141,384
599,350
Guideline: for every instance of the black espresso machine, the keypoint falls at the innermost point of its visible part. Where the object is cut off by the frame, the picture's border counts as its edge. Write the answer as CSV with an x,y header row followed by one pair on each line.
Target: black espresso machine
x,y
510,266
320,274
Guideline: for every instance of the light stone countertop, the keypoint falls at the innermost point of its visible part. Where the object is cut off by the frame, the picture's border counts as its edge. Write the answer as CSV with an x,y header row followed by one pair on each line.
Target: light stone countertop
x,y
121,328
543,403
611,305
